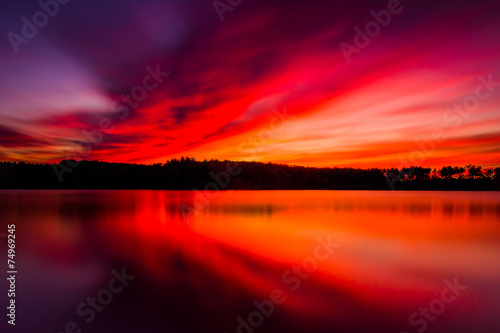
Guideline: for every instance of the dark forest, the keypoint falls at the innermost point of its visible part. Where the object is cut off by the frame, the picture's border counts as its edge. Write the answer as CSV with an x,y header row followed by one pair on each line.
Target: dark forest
x,y
189,174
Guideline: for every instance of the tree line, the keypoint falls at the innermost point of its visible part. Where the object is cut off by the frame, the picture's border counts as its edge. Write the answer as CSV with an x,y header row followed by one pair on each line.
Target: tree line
x,y
189,174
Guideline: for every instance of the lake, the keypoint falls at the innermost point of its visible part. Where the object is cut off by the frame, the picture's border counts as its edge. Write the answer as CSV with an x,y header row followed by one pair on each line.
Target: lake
x,y
254,261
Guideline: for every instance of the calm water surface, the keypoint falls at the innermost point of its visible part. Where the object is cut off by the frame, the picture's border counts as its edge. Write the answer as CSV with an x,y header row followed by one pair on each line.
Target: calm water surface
x,y
334,261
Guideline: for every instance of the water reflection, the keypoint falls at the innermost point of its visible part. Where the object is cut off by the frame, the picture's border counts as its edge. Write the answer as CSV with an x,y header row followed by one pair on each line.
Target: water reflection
x,y
200,274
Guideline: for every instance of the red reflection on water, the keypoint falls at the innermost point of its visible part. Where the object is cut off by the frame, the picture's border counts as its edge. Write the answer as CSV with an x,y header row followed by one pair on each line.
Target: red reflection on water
x,y
396,249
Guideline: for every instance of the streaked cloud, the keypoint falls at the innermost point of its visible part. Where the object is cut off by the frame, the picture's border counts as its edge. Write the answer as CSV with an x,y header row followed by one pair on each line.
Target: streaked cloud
x,y
226,78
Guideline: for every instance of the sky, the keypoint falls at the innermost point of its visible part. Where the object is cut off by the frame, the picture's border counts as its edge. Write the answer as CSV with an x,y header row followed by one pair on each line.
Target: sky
x,y
315,83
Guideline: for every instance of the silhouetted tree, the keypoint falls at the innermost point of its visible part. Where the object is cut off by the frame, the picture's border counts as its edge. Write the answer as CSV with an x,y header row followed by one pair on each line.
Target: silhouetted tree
x,y
422,173
489,173
448,172
188,174
473,171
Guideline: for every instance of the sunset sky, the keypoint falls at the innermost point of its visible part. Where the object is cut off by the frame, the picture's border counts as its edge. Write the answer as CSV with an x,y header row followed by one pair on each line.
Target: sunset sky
x,y
269,82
